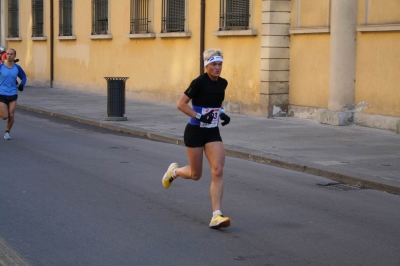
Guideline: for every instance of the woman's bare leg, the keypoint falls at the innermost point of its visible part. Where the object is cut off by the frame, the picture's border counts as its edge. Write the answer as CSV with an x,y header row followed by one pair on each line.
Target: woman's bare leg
x,y
3,111
195,168
215,153
11,111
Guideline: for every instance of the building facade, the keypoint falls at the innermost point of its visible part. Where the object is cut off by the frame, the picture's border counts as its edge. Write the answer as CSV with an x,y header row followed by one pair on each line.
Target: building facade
x,y
334,61
158,44
344,62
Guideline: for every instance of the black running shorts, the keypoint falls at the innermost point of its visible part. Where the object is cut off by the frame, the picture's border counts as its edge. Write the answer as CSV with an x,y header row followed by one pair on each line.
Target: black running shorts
x,y
196,136
7,99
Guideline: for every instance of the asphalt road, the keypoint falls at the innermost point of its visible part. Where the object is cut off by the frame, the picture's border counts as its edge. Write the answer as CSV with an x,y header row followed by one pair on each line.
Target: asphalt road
x,y
71,194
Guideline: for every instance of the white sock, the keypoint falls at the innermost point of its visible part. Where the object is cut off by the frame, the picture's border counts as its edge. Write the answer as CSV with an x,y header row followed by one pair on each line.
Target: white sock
x,y
173,173
216,212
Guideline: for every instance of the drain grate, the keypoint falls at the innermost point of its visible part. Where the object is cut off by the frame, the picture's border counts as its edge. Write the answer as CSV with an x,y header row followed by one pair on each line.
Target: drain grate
x,y
340,186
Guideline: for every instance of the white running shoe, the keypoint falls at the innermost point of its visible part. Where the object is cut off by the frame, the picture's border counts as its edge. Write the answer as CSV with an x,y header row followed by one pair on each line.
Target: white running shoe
x,y
7,136
219,221
168,176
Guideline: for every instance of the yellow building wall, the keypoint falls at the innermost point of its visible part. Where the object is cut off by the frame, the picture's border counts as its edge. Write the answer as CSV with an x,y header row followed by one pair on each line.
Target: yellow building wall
x,y
160,66
309,55
378,59
309,70
380,12
153,65
242,61
312,13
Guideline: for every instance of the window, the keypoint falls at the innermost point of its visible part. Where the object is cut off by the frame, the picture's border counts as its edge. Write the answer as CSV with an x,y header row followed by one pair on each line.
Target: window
x,y
99,17
65,23
13,18
140,21
234,15
173,12
37,18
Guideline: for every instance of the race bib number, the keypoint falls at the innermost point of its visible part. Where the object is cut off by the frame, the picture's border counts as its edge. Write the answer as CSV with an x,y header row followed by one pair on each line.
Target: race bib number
x,y
214,122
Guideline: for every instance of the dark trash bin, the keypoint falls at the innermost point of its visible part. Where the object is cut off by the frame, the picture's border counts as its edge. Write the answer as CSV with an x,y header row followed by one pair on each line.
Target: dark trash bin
x,y
116,98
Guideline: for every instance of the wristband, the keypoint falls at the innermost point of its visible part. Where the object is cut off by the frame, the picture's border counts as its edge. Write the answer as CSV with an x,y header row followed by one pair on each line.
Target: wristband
x,y
198,116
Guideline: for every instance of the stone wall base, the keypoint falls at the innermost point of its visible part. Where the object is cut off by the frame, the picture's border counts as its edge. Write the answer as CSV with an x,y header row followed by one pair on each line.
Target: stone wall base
x,y
326,116
391,123
305,112
321,115
250,109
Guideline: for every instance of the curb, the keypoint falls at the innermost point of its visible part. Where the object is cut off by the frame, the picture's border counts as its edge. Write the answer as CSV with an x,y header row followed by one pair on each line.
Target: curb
x,y
351,180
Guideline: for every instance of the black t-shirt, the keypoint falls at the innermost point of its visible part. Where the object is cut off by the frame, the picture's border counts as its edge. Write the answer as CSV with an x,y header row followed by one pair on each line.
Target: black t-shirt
x,y
207,93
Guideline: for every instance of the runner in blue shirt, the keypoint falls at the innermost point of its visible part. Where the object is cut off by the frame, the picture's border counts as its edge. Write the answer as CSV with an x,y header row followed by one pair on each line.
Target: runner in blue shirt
x,y
9,71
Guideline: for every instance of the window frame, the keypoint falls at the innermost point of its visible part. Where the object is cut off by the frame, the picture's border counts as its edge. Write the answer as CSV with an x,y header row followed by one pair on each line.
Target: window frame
x,y
249,31
185,33
150,21
101,35
229,16
11,20
61,20
37,9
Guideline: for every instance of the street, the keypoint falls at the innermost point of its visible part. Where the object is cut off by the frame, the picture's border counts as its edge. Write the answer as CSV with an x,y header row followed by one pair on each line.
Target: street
x,y
72,194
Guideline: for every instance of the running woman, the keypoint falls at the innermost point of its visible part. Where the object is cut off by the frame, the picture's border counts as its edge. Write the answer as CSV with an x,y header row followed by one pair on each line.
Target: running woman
x,y
9,71
207,92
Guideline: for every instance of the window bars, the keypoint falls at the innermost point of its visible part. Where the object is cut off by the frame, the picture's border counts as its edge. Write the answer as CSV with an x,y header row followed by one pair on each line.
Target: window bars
x,y
140,22
13,25
37,18
99,17
65,18
234,15
173,19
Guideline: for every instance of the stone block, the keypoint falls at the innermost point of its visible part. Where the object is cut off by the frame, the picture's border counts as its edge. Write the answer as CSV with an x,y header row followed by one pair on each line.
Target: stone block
x,y
277,53
274,99
271,100
275,41
275,64
336,118
275,29
273,87
275,75
275,17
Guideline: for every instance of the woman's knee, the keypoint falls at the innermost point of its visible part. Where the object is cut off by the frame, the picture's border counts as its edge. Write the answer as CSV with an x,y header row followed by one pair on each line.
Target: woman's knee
x,y
217,172
196,175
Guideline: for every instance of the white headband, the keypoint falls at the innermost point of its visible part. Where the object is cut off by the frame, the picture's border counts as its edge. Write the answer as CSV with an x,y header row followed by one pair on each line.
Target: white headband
x,y
216,58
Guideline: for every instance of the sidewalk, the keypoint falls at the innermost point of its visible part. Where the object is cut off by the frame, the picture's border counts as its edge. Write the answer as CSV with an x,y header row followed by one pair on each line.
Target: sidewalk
x,y
355,155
